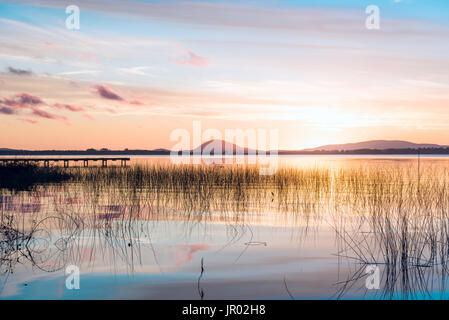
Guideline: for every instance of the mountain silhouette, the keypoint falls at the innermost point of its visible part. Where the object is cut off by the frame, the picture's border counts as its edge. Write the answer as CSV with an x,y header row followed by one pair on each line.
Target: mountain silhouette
x,y
375,145
217,146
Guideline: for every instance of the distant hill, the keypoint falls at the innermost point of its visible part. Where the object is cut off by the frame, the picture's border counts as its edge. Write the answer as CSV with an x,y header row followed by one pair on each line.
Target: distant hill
x,y
216,146
394,147
375,145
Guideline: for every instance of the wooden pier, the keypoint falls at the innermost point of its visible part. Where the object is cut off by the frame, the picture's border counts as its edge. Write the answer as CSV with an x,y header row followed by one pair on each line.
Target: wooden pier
x,y
46,161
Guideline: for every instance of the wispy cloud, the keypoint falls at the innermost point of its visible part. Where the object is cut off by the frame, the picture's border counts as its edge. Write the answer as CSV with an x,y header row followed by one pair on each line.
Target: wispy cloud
x,y
21,100
324,20
140,71
26,101
77,72
187,57
69,107
136,102
47,115
19,72
31,121
6,110
107,93
225,61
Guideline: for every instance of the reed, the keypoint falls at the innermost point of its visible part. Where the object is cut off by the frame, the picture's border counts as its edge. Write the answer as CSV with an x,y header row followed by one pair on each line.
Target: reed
x,y
386,215
20,176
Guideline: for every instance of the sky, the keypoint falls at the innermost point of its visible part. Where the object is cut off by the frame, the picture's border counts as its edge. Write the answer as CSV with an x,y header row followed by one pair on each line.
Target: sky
x,y
136,71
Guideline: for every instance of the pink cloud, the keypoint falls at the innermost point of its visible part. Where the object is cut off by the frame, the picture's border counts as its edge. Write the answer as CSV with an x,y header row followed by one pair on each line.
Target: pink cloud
x,y
22,100
110,110
6,110
190,58
88,56
30,121
136,102
107,93
88,116
196,60
184,252
44,114
68,107
26,98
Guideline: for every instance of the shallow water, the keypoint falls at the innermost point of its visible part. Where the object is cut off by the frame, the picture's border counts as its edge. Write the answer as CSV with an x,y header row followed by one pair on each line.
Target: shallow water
x,y
126,247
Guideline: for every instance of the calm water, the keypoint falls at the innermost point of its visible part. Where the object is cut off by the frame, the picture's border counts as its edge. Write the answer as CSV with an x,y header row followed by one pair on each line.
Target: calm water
x,y
130,246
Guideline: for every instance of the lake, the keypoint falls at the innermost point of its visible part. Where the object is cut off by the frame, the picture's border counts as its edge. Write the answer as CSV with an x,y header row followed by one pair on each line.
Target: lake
x,y
321,227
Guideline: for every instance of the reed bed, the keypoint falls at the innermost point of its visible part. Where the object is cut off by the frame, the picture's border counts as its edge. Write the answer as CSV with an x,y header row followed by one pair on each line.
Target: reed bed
x,y
387,215
20,176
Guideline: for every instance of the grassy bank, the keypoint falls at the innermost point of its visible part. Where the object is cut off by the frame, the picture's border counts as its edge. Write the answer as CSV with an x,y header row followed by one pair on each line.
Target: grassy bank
x,y
25,176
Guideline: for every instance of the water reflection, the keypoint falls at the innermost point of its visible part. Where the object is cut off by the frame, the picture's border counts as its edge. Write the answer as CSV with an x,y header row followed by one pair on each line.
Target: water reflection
x,y
44,245
301,234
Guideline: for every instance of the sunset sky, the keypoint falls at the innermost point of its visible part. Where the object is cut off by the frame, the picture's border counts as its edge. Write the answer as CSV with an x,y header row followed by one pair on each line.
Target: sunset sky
x,y
137,70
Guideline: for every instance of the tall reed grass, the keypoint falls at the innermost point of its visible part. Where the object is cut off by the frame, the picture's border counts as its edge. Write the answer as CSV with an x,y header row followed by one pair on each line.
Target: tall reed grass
x,y
390,216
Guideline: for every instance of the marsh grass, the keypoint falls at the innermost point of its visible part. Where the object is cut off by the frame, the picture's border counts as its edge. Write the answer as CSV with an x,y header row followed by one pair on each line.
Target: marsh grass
x,y
19,176
386,215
